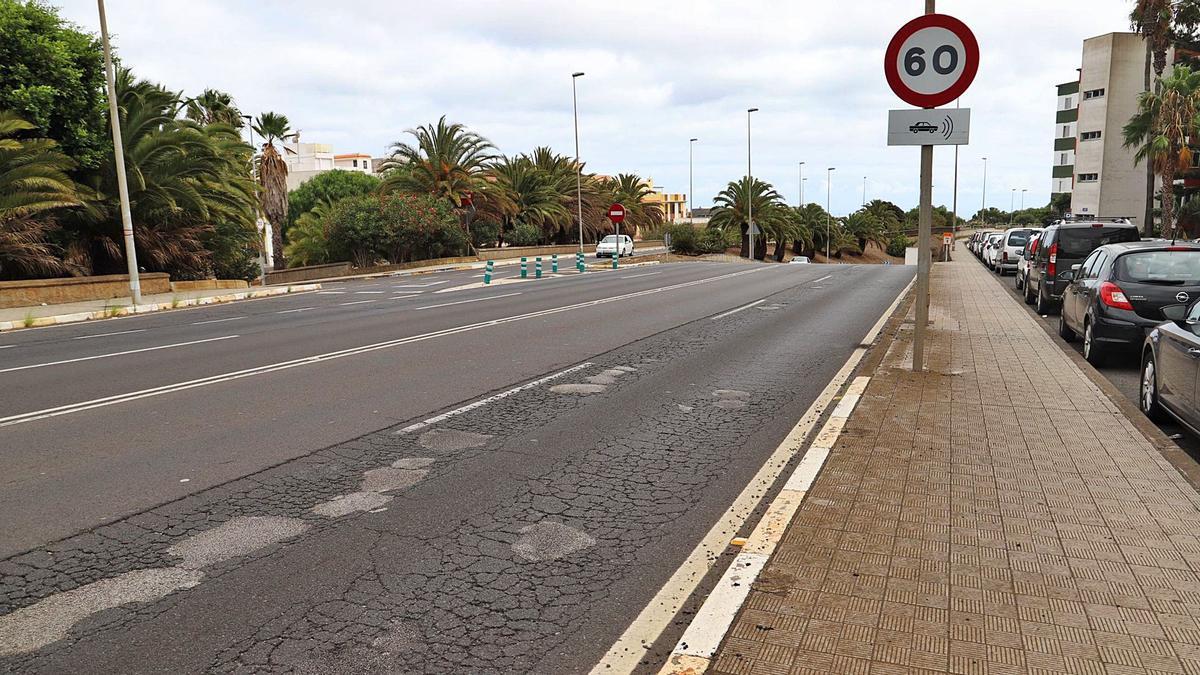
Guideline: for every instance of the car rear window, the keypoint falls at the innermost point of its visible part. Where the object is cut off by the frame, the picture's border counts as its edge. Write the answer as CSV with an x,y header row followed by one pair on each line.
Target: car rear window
x,y
1019,237
610,239
1080,242
1181,267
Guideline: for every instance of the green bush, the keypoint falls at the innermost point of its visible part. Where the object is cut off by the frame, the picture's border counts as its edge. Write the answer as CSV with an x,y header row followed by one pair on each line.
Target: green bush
x,y
397,228
713,240
484,233
897,245
329,186
683,239
524,234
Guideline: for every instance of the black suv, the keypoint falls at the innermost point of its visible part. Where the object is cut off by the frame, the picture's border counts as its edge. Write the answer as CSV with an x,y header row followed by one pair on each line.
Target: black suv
x,y
1065,243
1120,292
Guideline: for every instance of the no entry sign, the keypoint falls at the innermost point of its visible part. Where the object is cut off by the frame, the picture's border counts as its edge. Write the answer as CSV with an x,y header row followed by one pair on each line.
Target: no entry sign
x,y
932,60
616,213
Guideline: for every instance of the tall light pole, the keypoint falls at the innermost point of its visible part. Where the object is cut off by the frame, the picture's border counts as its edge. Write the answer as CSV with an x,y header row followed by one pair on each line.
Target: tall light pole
x,y
801,181
135,283
578,166
749,187
828,206
983,204
864,191
691,188
1012,202
1023,191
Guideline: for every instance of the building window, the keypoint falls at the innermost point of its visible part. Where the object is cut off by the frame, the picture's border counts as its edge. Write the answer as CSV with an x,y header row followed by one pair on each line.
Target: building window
x,y
1068,104
1066,131
1089,177
1093,93
355,163
1089,135
1062,159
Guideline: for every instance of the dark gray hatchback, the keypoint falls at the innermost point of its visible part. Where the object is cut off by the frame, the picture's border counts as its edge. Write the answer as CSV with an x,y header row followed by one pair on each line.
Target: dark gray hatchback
x,y
1065,243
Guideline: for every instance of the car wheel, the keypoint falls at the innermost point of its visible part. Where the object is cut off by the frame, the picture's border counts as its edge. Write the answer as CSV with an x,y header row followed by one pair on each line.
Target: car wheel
x,y
1092,350
1064,331
1017,280
1041,304
1148,400
1028,293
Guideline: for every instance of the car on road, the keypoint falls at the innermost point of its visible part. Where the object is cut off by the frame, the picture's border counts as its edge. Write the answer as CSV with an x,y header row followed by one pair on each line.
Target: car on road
x,y
1064,243
609,246
1027,254
1008,250
1119,293
991,249
1170,361
800,260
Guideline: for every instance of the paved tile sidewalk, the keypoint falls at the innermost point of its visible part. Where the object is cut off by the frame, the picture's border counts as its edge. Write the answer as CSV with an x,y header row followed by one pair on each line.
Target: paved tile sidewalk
x,y
996,515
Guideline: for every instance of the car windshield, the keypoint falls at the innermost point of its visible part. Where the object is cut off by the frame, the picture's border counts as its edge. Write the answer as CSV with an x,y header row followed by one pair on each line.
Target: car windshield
x,y
1080,242
1177,267
610,239
1019,237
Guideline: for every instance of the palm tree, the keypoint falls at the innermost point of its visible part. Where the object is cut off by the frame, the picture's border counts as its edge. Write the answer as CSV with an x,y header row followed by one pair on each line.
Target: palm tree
x,y
446,160
729,208
308,239
33,182
865,227
214,107
810,218
533,193
1161,128
632,191
272,177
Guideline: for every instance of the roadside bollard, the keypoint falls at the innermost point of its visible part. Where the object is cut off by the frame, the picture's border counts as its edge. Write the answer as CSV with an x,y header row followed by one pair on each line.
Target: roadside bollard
x,y
579,261
487,272
554,263
616,257
524,268
537,267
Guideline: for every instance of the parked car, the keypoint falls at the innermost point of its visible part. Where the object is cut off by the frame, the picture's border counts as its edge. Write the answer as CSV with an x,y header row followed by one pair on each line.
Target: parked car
x,y
800,260
1027,254
976,244
608,247
991,249
1119,292
1008,251
1065,243
1170,359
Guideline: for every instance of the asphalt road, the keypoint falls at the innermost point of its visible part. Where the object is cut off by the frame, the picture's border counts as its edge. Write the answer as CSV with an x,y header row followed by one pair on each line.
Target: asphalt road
x,y
278,460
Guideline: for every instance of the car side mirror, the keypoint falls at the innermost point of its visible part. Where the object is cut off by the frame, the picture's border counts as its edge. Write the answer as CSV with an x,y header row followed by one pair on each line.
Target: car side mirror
x,y
1075,271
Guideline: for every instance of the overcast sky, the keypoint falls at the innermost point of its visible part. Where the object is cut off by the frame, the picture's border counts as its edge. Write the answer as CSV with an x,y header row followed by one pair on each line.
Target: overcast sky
x,y
357,73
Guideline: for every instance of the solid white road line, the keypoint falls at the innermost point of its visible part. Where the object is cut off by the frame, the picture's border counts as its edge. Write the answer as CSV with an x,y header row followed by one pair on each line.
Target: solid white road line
x,y
356,302
432,283
7,346
463,302
629,649
354,351
293,311
827,276
491,399
105,356
120,332
232,318
331,292
735,311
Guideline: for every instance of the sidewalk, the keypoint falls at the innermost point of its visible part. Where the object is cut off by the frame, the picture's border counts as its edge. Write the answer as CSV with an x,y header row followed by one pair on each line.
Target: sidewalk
x,y
72,312
996,515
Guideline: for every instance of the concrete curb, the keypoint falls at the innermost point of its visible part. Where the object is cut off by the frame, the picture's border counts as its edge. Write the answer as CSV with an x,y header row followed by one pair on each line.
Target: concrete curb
x,y
113,312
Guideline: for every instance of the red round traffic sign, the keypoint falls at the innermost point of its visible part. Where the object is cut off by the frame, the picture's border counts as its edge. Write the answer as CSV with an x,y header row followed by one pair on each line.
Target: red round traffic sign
x,y
616,213
932,60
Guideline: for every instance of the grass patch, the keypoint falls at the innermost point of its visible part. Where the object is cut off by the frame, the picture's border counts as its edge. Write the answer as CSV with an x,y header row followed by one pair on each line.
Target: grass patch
x,y
28,320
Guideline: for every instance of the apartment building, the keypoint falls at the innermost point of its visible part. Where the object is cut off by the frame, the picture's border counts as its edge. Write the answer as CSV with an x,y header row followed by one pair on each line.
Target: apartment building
x,y
1065,130
305,160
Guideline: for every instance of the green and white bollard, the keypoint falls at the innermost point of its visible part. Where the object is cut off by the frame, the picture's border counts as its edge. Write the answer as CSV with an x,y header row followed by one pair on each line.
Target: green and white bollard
x,y
617,256
579,261
487,272
537,267
524,268
554,263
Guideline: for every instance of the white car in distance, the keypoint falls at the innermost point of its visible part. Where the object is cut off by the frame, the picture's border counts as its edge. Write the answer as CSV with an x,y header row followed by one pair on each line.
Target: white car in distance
x,y
609,247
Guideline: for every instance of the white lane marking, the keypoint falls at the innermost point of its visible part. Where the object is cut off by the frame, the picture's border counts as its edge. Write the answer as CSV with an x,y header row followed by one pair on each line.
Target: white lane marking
x,y
463,302
368,292
629,649
634,276
331,292
105,356
432,283
735,311
827,276
7,346
491,399
120,332
356,302
354,351
232,318
293,311
407,295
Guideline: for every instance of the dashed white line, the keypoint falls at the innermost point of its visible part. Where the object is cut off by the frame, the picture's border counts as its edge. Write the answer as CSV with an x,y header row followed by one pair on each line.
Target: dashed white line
x,y
7,346
827,276
406,295
432,283
232,318
331,292
735,311
293,311
120,332
463,302
105,356
634,276
368,292
356,302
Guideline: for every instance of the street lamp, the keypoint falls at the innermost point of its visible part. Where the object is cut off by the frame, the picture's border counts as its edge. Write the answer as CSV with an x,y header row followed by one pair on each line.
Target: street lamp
x,y
1012,202
983,204
801,202
749,187
135,283
691,188
578,166
828,207
864,191
1023,191
250,125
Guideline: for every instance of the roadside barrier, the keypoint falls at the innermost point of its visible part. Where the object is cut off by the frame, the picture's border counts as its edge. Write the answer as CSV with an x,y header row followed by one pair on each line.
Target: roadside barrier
x,y
616,257
524,268
487,272
579,264
537,267
554,263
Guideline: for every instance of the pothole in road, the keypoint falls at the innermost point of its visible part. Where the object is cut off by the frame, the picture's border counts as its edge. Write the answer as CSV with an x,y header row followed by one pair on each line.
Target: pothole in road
x,y
388,479
549,540
355,502
48,621
234,538
445,440
578,388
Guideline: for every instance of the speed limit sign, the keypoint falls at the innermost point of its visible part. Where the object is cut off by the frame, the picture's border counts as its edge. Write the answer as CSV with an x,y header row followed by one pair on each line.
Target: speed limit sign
x,y
932,60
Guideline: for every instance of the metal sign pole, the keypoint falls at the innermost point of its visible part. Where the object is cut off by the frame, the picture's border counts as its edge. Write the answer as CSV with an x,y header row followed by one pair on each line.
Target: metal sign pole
x,y
923,253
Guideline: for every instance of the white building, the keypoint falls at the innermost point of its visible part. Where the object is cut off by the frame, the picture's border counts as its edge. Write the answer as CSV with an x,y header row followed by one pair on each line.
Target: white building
x,y
305,160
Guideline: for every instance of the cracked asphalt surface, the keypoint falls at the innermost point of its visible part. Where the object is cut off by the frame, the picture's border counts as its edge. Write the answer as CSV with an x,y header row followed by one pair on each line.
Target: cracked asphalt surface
x,y
521,535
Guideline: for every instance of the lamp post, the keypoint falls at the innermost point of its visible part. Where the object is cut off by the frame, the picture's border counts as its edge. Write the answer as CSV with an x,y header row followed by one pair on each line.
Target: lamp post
x,y
578,166
983,204
828,207
691,188
1023,191
262,232
801,202
864,203
1012,202
135,284
749,187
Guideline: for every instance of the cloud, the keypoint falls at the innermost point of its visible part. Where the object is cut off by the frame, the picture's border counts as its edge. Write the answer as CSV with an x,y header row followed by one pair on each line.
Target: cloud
x,y
357,74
